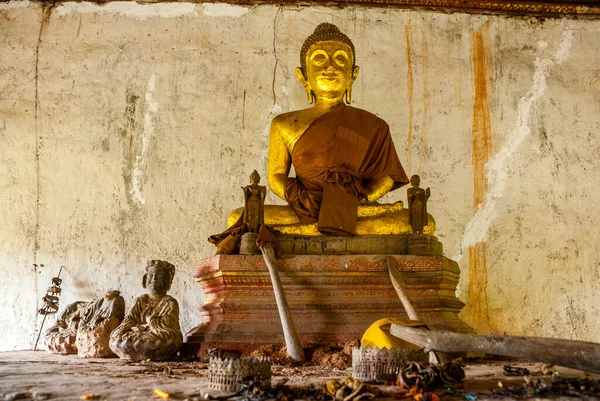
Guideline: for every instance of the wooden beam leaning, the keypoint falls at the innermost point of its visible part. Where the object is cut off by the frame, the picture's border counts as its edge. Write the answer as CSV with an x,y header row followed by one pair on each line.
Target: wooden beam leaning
x,y
292,341
572,354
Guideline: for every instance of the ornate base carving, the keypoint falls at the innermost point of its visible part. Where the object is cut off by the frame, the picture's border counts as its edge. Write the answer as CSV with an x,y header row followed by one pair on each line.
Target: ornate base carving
x,y
333,298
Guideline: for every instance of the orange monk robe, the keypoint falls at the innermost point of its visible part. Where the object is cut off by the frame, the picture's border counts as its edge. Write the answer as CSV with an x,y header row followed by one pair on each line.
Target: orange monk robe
x,y
334,159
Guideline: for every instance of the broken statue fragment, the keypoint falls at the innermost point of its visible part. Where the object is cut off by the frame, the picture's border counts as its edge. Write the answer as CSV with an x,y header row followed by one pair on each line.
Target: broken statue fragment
x,y
98,320
60,338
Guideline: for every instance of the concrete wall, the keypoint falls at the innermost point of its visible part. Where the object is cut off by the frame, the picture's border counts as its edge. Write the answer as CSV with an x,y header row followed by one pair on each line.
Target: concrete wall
x,y
126,131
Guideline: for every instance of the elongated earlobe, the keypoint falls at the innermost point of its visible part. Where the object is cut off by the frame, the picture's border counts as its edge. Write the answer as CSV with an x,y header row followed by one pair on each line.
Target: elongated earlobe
x,y
349,94
309,94
349,90
144,279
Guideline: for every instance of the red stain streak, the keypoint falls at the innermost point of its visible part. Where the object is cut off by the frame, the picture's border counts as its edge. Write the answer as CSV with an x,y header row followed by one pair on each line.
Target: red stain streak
x,y
481,141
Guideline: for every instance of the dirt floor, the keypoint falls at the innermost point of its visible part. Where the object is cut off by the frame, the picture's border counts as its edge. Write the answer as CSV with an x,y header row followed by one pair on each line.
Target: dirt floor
x,y
56,377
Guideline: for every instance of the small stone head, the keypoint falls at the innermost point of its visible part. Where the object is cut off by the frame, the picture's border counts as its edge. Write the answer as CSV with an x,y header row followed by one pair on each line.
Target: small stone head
x,y
159,277
415,180
254,178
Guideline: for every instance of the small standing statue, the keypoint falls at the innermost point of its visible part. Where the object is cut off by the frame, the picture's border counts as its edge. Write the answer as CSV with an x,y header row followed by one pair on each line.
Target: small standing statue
x,y
151,328
417,205
254,203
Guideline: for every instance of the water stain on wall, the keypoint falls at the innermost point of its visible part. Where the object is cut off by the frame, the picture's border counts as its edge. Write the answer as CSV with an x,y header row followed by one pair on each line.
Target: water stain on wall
x,y
423,130
409,88
128,140
481,140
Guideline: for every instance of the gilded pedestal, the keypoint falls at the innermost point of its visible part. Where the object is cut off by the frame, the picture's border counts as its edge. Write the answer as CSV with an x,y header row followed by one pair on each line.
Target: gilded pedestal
x,y
333,298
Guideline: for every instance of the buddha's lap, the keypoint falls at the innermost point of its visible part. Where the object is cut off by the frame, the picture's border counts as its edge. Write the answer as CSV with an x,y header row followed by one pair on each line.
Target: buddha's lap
x,y
284,214
372,219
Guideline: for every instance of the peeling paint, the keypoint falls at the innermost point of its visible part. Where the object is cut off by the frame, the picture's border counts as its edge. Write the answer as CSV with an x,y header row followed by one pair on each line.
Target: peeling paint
x,y
224,10
130,9
478,227
137,175
14,4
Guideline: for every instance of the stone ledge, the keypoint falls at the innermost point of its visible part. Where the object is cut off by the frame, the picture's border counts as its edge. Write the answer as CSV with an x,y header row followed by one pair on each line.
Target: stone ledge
x,y
405,244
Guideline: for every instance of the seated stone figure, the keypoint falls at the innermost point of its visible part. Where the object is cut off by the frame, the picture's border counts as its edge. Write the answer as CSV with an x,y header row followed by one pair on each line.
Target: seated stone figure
x,y
60,338
98,319
151,328
344,157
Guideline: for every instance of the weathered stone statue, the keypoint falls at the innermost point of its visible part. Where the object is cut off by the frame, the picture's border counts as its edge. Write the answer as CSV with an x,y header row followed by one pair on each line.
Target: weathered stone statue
x,y
151,328
417,205
254,203
60,338
344,157
98,319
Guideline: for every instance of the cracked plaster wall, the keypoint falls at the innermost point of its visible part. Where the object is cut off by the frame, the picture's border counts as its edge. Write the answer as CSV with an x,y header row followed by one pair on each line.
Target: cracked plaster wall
x,y
126,131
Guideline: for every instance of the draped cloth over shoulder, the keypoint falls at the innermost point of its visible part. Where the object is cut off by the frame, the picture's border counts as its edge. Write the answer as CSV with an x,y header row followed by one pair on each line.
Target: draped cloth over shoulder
x,y
334,160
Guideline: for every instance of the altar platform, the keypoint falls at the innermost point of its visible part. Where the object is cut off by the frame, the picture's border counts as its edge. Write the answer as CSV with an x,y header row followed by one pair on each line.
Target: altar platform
x,y
333,298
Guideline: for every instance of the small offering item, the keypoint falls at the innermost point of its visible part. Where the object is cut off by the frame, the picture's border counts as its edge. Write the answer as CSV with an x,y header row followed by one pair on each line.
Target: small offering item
x,y
228,374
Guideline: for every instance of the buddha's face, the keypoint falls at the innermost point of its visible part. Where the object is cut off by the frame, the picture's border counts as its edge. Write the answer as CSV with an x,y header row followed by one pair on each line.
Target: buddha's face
x,y
158,280
329,70
415,180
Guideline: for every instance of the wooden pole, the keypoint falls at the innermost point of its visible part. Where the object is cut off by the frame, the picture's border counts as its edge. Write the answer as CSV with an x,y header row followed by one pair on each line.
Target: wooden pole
x,y
572,354
412,313
292,342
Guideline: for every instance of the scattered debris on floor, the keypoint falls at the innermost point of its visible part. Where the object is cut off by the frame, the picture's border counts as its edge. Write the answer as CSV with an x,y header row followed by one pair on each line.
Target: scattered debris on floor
x,y
554,387
26,395
66,378
333,356
425,375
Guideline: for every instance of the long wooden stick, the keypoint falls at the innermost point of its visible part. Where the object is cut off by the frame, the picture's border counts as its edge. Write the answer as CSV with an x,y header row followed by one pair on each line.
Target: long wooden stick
x,y
412,313
292,342
572,354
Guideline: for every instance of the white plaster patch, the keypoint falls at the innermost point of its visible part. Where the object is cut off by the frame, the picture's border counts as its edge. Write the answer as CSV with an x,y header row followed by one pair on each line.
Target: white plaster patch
x,y
273,112
137,175
478,22
224,10
130,9
14,4
478,227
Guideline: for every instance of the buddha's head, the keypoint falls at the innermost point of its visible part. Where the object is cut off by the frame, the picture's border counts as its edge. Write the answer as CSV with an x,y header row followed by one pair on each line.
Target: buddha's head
x,y
159,277
327,64
254,178
415,181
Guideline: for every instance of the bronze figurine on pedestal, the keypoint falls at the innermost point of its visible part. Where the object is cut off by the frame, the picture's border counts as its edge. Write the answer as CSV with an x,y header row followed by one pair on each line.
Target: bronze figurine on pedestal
x,y
254,203
417,205
254,214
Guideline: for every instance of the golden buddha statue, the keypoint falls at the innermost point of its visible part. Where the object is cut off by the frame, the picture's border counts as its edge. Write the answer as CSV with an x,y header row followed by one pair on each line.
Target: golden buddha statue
x,y
344,157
